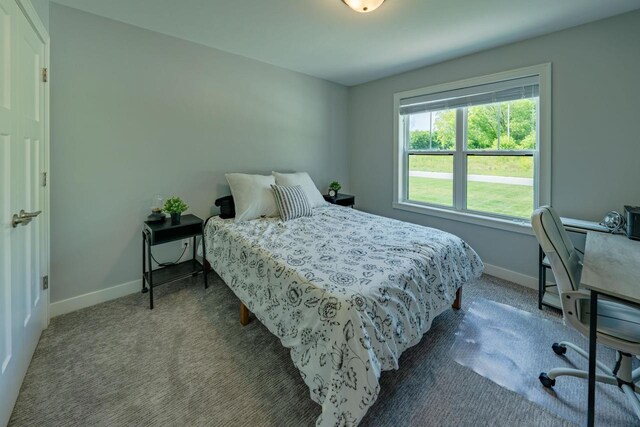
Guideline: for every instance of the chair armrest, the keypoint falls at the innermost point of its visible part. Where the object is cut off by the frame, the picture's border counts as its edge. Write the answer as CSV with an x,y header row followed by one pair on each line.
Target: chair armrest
x,y
569,301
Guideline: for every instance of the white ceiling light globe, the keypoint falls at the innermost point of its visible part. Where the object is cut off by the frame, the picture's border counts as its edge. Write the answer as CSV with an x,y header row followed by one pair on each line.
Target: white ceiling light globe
x,y
363,6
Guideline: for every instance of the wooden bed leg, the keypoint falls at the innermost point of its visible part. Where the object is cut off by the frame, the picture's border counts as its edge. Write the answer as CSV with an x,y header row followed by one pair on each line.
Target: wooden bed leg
x,y
244,314
457,303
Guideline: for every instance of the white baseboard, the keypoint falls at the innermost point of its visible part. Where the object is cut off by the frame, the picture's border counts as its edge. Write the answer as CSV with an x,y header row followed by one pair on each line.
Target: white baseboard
x,y
92,298
512,276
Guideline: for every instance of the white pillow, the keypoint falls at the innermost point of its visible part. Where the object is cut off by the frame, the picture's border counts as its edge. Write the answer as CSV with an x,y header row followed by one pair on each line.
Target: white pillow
x,y
252,195
303,180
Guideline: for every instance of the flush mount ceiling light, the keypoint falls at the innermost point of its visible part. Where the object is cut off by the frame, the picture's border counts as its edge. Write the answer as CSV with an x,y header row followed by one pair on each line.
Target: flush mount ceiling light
x,y
363,6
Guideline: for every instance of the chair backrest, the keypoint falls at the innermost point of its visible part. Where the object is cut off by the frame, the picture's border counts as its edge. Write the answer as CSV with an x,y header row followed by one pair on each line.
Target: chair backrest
x,y
557,246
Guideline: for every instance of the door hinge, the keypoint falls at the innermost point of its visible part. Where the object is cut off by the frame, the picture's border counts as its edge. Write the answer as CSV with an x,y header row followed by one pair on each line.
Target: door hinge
x,y
44,179
45,75
45,282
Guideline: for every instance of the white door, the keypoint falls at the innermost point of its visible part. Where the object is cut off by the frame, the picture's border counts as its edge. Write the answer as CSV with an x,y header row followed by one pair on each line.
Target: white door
x,y
23,303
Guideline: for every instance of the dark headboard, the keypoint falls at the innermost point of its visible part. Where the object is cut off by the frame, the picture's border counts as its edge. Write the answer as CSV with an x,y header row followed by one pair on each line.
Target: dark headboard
x,y
227,208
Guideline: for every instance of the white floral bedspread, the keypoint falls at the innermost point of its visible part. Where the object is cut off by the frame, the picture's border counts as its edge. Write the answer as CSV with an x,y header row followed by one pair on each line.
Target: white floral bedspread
x,y
346,291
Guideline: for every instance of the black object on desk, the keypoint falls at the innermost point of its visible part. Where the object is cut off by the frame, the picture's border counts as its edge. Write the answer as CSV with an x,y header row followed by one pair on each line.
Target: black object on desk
x,y
155,233
341,199
633,222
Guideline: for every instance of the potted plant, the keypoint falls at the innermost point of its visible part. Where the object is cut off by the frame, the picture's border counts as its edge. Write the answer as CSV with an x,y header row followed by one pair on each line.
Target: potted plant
x,y
334,187
175,206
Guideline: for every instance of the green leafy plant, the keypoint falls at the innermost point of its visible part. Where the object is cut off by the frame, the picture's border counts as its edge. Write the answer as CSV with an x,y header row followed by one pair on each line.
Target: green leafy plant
x,y
175,205
335,185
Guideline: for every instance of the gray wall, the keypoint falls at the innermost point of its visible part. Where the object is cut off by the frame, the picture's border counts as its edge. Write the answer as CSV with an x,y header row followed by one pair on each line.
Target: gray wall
x,y
136,113
596,141
42,8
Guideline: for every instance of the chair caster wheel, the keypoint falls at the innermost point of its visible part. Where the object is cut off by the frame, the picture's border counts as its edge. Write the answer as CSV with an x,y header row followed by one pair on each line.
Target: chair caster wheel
x,y
559,349
546,381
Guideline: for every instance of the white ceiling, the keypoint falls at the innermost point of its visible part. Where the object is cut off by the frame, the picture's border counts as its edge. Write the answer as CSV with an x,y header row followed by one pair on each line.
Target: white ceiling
x,y
326,39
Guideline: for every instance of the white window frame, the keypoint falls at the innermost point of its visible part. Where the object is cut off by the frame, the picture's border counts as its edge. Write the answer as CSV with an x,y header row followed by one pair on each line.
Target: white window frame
x,y
542,154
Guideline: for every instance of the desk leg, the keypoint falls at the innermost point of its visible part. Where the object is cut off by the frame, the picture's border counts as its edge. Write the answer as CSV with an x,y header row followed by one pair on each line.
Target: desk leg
x,y
593,329
144,264
541,277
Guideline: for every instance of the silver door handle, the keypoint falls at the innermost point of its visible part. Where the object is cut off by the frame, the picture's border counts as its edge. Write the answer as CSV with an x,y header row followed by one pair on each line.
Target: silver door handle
x,y
24,214
23,218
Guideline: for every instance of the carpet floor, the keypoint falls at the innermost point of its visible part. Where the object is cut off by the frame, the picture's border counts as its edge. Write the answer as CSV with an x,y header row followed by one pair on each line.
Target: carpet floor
x,y
190,362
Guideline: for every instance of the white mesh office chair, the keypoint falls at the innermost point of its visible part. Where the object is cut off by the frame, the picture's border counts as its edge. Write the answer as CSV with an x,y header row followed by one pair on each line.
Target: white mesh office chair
x,y
618,324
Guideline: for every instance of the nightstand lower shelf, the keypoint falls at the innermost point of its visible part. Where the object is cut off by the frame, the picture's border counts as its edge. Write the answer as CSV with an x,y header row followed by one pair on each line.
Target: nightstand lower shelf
x,y
551,298
172,273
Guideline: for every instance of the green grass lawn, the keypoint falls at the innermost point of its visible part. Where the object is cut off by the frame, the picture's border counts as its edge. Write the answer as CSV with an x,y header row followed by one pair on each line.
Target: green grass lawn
x,y
502,199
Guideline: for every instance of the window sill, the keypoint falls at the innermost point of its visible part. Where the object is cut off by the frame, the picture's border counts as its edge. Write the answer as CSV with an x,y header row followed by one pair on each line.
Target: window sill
x,y
515,226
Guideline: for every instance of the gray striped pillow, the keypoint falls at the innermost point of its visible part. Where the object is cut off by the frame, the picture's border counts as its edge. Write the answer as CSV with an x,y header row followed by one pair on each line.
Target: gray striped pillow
x,y
292,201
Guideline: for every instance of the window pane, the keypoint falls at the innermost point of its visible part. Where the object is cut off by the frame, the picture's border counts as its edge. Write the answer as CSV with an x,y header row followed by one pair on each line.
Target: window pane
x,y
432,130
500,185
431,179
502,126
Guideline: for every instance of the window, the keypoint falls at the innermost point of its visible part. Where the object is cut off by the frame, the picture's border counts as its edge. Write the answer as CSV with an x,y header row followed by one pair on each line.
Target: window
x,y
477,148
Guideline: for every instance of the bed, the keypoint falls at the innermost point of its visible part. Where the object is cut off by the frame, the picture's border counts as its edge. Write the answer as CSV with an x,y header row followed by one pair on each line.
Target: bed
x,y
346,291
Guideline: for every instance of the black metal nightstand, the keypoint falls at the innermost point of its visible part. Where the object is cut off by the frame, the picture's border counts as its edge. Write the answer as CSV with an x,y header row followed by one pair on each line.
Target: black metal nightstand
x,y
155,233
341,199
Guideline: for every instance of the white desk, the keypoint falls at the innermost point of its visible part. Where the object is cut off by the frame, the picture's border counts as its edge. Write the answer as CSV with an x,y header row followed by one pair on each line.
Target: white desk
x,y
612,265
611,268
